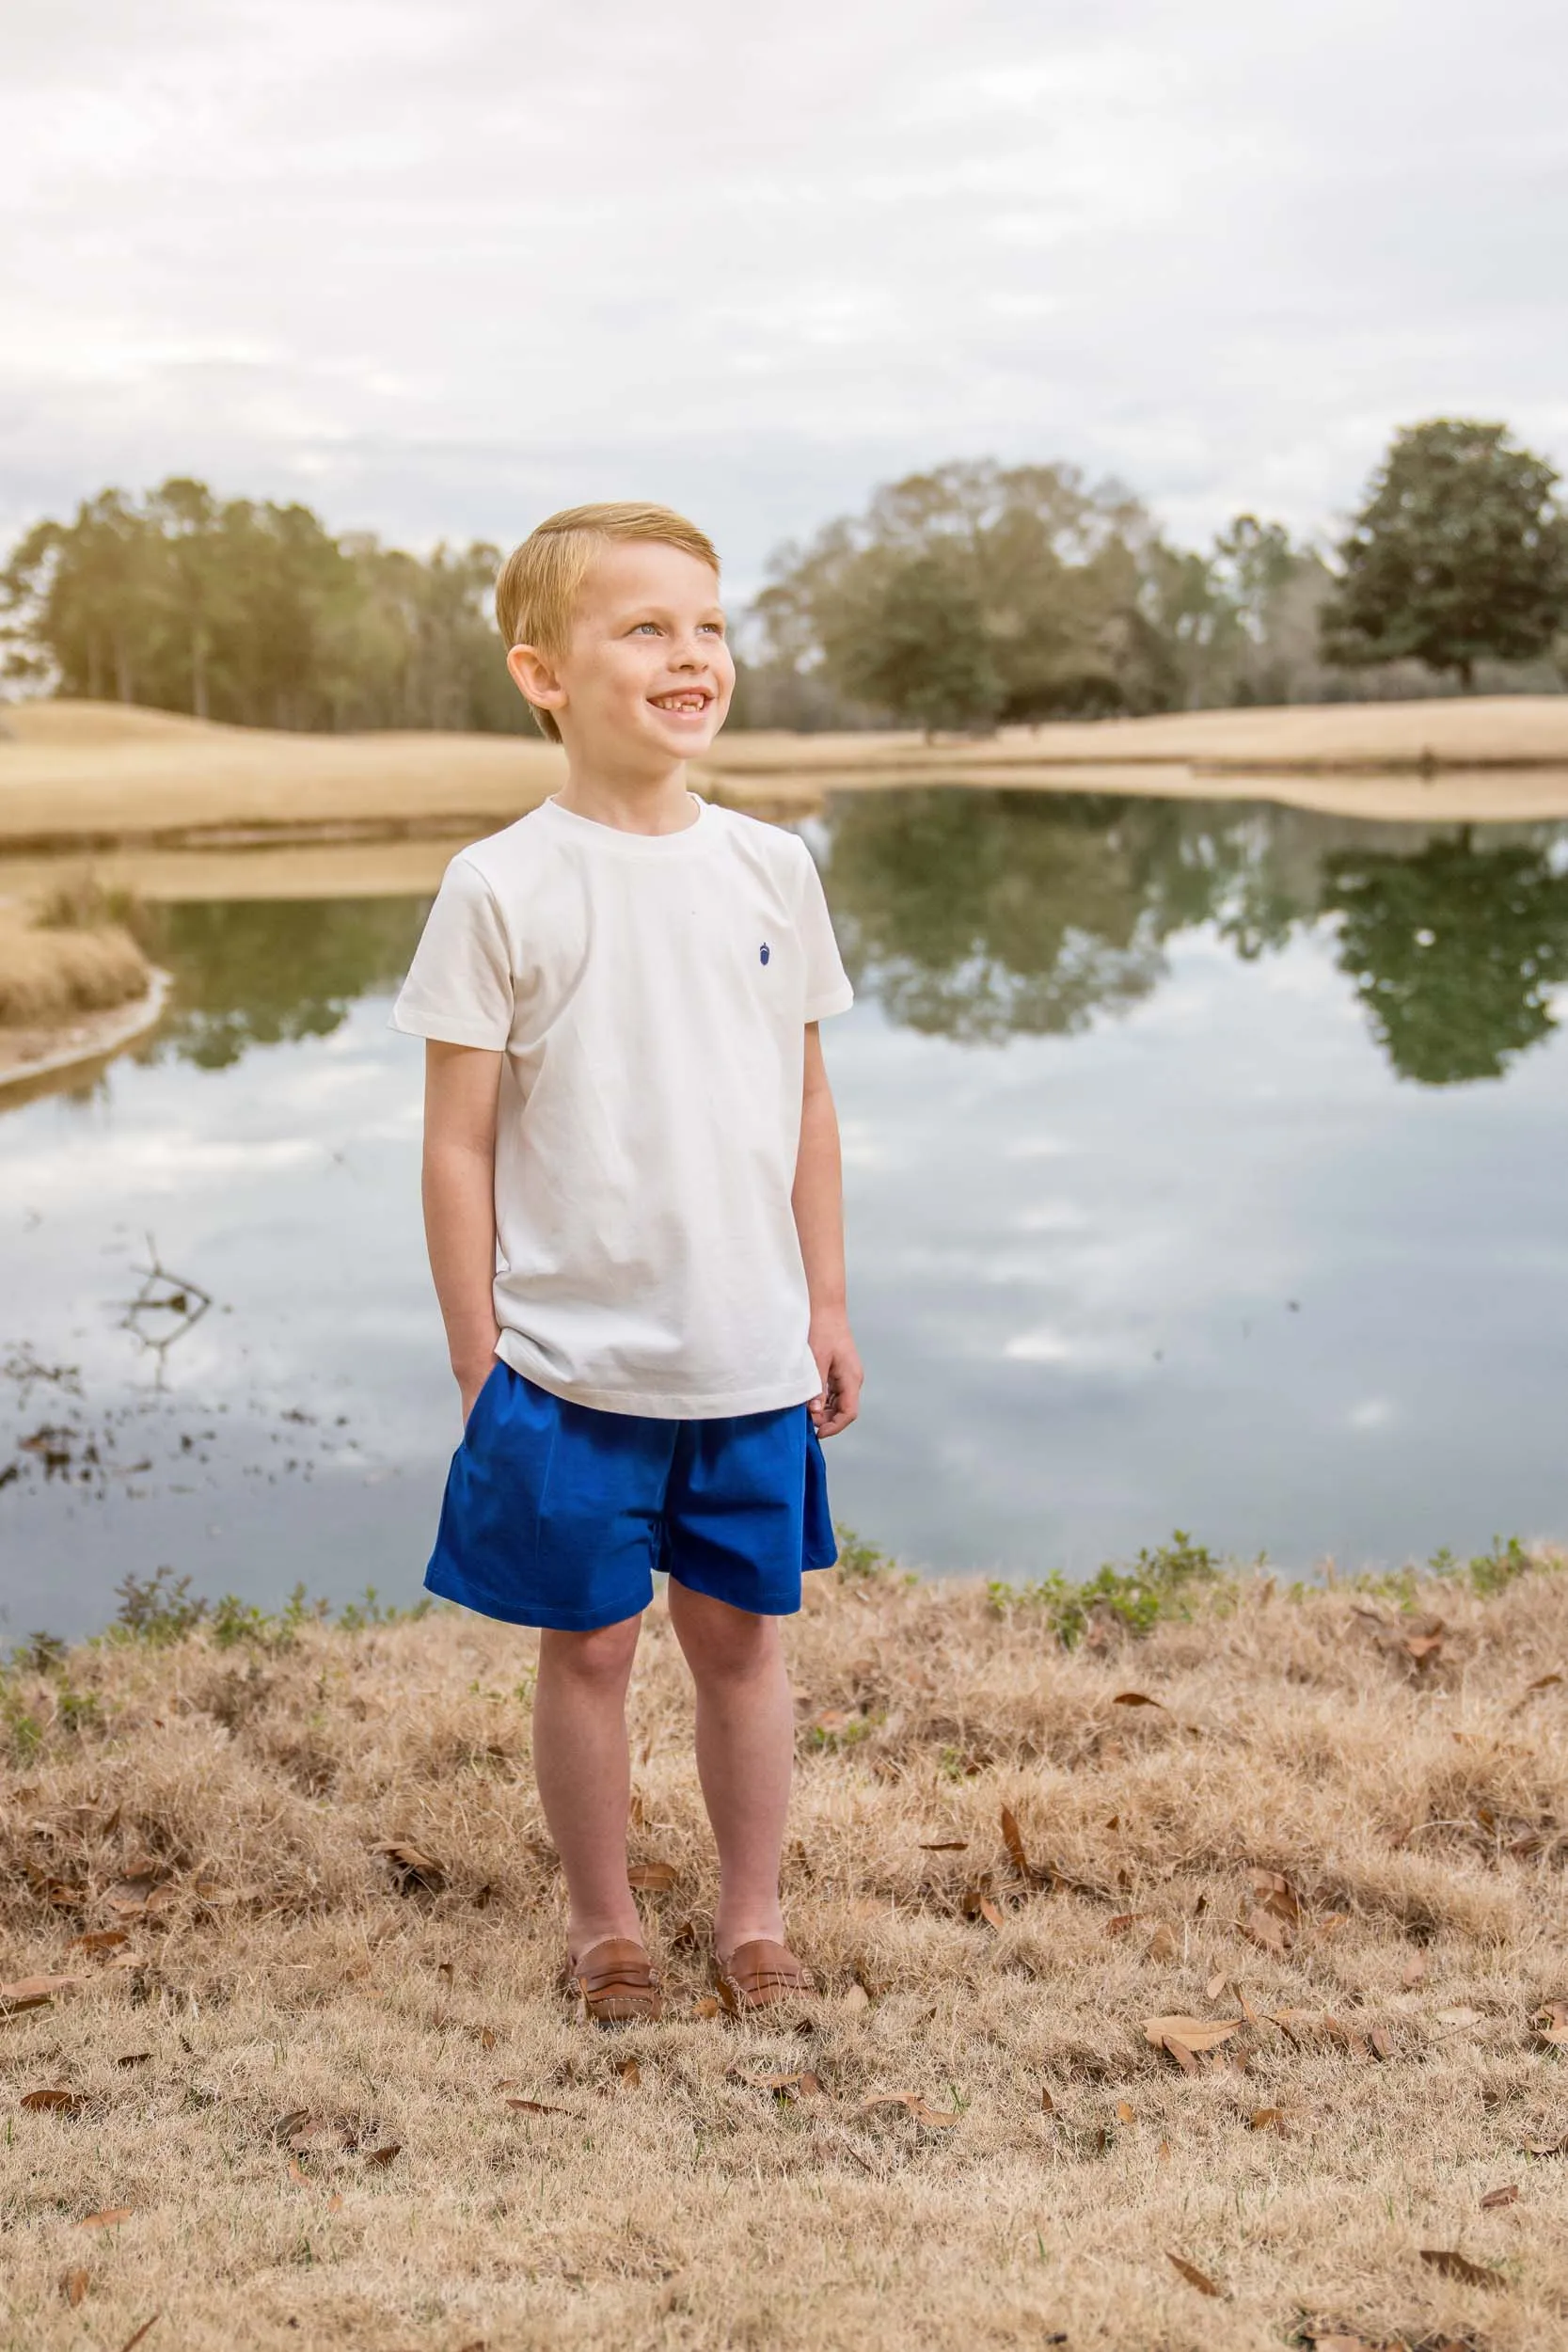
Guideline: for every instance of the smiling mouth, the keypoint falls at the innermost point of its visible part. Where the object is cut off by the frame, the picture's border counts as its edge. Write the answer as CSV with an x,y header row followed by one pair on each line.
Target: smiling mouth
x,y
692,700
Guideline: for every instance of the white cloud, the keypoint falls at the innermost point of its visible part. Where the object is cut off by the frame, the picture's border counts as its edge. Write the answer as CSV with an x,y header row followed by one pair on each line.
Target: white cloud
x,y
438,267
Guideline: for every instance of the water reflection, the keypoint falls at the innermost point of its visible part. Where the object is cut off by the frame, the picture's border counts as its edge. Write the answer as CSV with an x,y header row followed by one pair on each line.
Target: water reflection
x,y
983,916
1454,951
261,972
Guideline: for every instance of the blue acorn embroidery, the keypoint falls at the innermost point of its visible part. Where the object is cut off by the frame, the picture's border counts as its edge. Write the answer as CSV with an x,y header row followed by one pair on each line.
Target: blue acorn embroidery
x,y
765,951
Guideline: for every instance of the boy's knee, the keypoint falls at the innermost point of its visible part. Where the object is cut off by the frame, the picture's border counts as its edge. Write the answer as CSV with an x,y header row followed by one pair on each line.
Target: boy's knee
x,y
721,1641
603,1655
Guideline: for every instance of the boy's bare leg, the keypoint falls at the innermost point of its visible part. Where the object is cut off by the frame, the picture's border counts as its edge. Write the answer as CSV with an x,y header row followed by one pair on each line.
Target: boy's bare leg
x,y
583,1771
745,1752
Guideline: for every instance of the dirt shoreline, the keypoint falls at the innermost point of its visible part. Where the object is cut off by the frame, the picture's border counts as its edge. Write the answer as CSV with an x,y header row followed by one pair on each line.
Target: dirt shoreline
x,y
95,777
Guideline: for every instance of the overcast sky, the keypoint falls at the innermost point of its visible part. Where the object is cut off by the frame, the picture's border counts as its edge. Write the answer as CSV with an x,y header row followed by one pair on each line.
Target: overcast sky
x,y
440,265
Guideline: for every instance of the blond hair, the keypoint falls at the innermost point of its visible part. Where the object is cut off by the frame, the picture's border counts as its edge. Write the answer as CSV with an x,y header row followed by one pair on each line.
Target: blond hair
x,y
536,594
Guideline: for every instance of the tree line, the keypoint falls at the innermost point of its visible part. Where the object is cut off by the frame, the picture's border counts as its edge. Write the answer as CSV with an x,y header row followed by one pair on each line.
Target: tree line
x,y
971,597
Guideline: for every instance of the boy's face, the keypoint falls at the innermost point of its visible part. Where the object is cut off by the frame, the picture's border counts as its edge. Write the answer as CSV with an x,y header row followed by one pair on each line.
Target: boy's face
x,y
647,677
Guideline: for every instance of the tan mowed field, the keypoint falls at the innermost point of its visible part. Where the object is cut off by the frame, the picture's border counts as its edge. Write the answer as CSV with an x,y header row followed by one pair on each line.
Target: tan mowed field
x,y
313,2091
100,774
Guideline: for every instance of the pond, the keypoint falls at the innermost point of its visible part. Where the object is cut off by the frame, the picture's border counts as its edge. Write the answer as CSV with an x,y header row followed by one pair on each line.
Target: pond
x,y
1203,1166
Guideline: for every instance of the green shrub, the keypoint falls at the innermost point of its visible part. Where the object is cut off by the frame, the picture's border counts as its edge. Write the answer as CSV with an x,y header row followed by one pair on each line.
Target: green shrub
x,y
1159,1584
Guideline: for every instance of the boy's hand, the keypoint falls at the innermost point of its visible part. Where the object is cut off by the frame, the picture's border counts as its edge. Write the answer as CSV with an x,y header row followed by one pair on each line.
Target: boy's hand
x,y
471,1380
838,1400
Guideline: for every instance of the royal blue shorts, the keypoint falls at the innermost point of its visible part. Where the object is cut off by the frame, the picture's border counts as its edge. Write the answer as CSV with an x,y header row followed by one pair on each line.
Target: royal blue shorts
x,y
559,1514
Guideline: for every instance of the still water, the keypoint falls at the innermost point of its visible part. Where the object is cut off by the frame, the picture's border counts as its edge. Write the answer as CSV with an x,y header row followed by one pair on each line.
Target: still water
x,y
1203,1165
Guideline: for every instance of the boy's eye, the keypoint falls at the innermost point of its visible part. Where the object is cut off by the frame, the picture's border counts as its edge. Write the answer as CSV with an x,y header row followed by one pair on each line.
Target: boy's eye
x,y
714,629
649,628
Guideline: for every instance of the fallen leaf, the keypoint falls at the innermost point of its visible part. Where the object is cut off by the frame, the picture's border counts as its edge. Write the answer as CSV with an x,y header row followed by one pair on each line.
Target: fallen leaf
x,y
101,1940
1247,2008
1422,1648
445,1971
1543,1682
382,2157
1276,1892
1137,1698
145,2329
944,1844
1121,1921
1214,1987
284,2129
1552,2022
1048,2103
1012,1837
1414,1972
1162,2151
1352,2036
706,2006
1496,2197
1124,2113
1194,2033
1463,2017
629,2072
1547,2147
1161,1945
1266,2119
73,2286
31,1991
652,1878
321,2135
110,2218
134,2058
1266,1931
989,1912
911,2102
1381,2043
299,2177
53,2102
539,2106
412,1870
335,2203
1460,2267
803,2084
857,1997
1179,2052
1194,2276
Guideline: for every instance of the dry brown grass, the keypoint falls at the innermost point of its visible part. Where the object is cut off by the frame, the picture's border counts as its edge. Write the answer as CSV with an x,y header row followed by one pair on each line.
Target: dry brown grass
x,y
1417,1803
76,773
51,973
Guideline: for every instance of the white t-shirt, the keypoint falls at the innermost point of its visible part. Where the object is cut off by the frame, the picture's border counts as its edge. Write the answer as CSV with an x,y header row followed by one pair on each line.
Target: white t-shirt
x,y
651,992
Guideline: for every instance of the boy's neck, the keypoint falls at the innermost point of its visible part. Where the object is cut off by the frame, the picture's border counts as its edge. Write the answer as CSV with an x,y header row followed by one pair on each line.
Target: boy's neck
x,y
634,803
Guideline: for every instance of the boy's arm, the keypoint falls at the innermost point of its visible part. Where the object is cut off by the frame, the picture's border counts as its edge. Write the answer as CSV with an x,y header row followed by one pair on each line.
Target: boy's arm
x,y
459,1192
819,1204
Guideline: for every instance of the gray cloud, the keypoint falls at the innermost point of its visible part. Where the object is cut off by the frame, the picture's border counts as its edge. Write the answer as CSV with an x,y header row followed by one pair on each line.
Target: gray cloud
x,y
438,268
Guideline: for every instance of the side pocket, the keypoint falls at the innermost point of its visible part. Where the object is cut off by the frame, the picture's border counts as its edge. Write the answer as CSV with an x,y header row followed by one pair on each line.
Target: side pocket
x,y
472,1422
819,1547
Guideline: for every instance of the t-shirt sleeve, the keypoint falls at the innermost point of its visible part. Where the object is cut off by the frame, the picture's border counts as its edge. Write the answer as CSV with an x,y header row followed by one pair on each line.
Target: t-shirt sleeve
x,y
828,989
459,985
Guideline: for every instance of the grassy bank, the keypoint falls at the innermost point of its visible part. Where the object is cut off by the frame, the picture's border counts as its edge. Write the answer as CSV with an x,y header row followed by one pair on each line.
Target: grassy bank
x,y
67,966
97,773
311,2081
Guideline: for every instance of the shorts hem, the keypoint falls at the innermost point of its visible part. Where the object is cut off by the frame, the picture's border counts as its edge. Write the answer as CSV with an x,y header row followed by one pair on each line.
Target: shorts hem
x,y
529,1612
765,1606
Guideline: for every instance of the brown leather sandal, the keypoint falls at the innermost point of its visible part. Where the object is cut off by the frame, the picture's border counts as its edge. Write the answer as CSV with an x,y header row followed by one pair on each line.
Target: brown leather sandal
x,y
759,1974
618,1982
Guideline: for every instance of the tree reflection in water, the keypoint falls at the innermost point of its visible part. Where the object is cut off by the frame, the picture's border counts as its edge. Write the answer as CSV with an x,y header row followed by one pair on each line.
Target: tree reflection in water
x,y
983,916
988,915
259,971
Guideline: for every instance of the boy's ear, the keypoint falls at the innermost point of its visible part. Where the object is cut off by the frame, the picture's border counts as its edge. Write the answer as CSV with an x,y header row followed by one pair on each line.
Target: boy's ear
x,y
535,676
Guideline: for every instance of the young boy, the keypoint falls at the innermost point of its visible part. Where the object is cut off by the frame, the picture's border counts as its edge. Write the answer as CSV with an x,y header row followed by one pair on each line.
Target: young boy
x,y
632,1202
